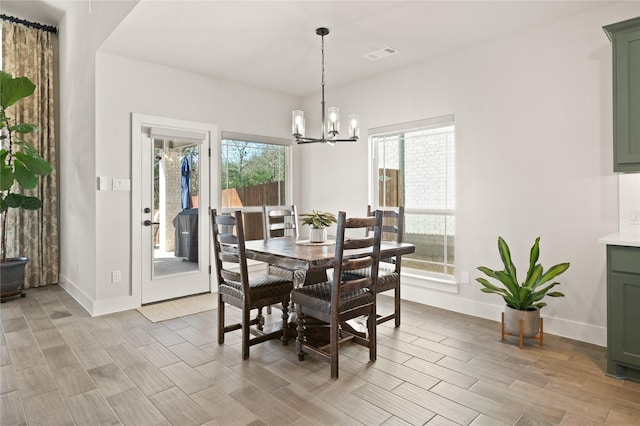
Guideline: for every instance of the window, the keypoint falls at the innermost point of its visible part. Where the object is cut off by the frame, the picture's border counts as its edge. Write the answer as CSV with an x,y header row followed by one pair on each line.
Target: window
x,y
414,165
255,172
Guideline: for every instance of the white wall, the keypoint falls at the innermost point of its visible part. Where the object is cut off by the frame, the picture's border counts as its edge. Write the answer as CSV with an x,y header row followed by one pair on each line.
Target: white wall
x,y
81,32
533,115
124,86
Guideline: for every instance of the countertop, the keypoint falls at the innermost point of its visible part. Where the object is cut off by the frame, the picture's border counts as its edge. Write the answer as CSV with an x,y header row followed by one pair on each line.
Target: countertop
x,y
621,239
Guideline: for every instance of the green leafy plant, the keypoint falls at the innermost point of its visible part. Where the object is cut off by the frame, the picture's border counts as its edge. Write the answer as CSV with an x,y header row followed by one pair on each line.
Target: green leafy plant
x,y
528,295
318,219
21,164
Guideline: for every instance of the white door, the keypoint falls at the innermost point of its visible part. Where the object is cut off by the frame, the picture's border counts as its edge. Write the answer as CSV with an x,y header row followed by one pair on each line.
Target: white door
x,y
173,213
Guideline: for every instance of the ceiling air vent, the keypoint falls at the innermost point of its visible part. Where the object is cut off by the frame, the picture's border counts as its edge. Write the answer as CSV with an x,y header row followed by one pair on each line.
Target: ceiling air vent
x,y
382,53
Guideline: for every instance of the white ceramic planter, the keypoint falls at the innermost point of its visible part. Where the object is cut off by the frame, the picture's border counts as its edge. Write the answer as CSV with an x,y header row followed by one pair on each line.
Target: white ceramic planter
x,y
318,235
530,319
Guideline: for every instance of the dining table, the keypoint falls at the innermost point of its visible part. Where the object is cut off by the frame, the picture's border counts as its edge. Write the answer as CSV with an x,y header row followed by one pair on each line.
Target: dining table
x,y
313,258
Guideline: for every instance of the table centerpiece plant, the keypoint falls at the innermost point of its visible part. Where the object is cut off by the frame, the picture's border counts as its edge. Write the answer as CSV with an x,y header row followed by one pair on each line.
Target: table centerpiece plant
x,y
318,222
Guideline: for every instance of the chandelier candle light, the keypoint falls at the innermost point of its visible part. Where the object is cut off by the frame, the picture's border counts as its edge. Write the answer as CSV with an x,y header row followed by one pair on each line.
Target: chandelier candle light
x,y
330,126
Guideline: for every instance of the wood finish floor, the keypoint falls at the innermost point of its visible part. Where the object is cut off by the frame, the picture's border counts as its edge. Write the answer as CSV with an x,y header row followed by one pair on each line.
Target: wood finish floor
x,y
59,366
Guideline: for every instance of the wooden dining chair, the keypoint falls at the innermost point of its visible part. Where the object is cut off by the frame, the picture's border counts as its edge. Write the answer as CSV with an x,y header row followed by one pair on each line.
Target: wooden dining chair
x,y
238,289
281,221
340,299
389,270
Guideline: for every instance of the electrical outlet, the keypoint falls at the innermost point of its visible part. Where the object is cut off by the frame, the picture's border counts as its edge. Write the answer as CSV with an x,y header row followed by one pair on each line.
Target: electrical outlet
x,y
102,183
464,277
121,184
116,276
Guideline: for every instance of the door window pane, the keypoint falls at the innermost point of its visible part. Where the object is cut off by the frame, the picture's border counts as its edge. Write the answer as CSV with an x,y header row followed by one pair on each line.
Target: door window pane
x,y
175,206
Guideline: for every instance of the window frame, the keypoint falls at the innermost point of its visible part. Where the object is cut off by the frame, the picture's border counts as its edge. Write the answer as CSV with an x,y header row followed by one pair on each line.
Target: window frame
x,y
406,127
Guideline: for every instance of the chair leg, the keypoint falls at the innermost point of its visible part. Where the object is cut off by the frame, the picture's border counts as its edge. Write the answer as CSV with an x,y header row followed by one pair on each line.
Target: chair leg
x,y
246,319
285,322
300,329
397,303
220,320
372,329
333,347
260,319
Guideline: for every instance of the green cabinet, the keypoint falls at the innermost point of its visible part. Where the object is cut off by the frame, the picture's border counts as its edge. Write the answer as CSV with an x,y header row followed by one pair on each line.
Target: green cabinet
x,y
623,311
625,37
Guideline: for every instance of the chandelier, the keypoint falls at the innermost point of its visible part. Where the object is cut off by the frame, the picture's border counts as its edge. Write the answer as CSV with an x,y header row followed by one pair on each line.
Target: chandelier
x,y
330,116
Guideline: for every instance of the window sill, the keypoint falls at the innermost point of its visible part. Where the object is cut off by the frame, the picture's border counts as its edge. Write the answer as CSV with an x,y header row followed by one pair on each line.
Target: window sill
x,y
448,285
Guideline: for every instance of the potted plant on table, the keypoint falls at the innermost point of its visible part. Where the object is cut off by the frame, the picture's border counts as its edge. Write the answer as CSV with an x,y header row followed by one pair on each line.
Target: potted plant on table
x,y
318,222
524,300
21,166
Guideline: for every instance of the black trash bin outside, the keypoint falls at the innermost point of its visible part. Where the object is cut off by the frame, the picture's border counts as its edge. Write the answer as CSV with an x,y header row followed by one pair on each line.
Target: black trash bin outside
x,y
186,226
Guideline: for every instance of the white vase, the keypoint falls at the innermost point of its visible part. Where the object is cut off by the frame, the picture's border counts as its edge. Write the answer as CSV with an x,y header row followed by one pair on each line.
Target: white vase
x,y
318,235
530,321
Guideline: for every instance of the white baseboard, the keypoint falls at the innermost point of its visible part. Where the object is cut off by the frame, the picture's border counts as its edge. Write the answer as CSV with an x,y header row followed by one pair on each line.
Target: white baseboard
x,y
589,333
99,307
77,293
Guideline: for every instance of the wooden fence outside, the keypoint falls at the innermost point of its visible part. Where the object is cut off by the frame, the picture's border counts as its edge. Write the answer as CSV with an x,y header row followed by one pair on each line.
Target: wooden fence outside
x,y
270,194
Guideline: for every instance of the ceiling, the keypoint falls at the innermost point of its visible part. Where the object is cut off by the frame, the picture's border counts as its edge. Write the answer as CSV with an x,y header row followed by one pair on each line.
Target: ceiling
x,y
273,45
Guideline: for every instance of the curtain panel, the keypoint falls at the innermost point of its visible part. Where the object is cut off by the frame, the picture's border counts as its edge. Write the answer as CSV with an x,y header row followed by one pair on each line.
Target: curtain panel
x,y
28,52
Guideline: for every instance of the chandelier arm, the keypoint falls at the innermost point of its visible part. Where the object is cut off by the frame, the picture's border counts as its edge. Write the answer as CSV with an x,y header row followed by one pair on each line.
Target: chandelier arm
x,y
302,140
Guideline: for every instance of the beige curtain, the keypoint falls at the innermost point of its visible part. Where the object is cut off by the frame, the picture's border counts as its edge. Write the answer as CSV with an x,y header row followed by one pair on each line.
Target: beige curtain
x,y
34,233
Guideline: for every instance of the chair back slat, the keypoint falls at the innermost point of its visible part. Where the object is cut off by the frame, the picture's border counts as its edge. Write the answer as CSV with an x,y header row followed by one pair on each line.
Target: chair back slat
x,y
354,264
231,276
229,257
278,212
392,223
279,221
354,285
355,244
370,257
228,247
392,229
280,226
225,219
228,239
361,222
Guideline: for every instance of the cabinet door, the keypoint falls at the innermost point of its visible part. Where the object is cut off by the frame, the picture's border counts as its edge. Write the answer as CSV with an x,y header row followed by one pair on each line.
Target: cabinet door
x,y
624,317
625,37
627,101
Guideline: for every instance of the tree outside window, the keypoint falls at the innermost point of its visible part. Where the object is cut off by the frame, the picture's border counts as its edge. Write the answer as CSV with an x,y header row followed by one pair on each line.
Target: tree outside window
x,y
253,174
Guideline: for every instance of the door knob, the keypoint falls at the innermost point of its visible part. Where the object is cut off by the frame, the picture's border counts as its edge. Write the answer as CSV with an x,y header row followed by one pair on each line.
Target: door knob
x,y
149,223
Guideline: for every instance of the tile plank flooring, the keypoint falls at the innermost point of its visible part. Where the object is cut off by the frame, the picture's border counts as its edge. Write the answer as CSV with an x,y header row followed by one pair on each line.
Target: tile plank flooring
x,y
59,366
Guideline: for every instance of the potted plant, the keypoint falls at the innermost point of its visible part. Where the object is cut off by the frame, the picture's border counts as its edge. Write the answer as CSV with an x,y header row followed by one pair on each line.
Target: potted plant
x,y
524,300
21,166
318,221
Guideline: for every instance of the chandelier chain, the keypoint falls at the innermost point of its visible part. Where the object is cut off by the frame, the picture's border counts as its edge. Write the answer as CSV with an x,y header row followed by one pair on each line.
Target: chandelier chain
x,y
322,50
